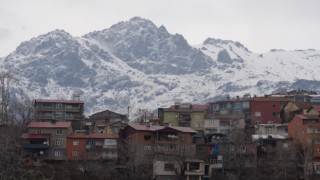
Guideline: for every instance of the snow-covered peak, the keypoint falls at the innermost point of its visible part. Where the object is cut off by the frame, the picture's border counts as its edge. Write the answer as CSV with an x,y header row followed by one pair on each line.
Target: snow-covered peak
x,y
134,63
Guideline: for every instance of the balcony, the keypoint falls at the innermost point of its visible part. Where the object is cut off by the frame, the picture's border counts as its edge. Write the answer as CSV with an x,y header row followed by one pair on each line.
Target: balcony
x,y
72,109
73,117
216,161
35,146
45,117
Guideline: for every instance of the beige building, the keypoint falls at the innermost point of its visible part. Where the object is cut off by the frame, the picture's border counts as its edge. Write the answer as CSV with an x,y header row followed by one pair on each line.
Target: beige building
x,y
46,140
223,123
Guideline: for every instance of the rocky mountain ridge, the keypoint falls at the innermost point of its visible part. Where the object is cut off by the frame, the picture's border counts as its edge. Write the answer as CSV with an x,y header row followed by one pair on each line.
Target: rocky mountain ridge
x,y
137,64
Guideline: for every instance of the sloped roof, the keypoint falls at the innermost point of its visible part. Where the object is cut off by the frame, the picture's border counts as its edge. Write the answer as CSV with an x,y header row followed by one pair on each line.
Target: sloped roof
x,y
94,136
184,129
49,125
316,107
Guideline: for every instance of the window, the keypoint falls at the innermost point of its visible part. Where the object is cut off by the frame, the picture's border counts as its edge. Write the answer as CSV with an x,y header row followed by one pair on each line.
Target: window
x,y
58,113
270,122
147,137
75,142
194,166
257,114
116,130
269,130
57,153
171,116
38,131
59,106
147,148
58,142
197,124
168,167
197,116
75,153
59,132
257,122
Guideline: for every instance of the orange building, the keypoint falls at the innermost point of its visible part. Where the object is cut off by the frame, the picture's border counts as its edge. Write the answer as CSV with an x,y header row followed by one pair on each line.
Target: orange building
x,y
305,129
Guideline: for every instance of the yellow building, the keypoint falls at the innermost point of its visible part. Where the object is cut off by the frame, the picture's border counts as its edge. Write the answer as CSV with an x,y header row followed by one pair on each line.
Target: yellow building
x,y
184,115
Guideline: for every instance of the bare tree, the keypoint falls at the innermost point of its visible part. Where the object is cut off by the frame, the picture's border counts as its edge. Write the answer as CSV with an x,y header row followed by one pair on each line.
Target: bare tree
x,y
6,81
22,111
141,115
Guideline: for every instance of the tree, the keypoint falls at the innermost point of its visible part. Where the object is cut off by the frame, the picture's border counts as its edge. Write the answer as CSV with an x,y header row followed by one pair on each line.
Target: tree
x,y
22,111
141,115
6,81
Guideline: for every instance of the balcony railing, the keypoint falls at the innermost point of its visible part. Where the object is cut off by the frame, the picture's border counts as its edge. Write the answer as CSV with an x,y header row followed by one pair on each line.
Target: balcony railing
x,y
35,146
44,116
73,109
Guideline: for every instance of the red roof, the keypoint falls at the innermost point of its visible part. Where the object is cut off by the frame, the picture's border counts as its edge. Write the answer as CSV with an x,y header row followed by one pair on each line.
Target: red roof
x,y
94,135
49,125
59,101
184,129
316,107
34,136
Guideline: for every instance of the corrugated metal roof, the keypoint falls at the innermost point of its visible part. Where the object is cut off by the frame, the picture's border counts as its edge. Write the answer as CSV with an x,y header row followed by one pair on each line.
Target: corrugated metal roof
x,y
49,125
94,136
60,101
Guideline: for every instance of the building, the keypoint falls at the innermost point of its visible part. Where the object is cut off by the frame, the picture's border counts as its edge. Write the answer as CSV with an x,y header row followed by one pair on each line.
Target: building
x,y
193,169
92,146
267,109
47,110
184,115
223,123
272,129
292,108
108,116
233,106
305,129
46,140
146,142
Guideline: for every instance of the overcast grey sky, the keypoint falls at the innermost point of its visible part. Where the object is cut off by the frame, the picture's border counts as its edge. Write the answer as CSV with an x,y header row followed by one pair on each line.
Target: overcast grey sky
x,y
258,24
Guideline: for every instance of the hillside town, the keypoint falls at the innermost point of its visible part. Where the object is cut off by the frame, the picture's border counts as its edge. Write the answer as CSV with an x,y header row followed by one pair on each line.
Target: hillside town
x,y
250,137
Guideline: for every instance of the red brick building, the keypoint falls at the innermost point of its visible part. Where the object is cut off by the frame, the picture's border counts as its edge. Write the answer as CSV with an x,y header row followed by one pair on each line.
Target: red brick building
x,y
266,110
92,146
305,129
147,141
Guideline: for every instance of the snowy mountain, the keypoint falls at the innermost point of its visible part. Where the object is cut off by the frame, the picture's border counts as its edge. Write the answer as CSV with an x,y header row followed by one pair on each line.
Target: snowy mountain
x,y
137,64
